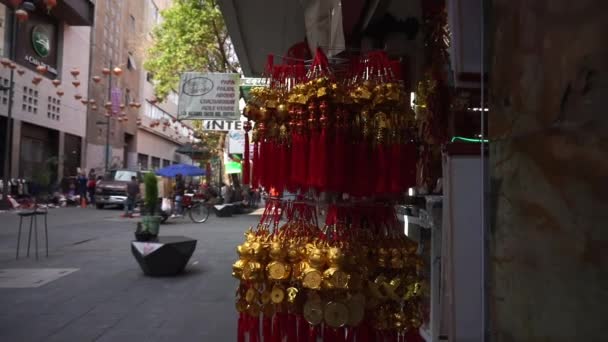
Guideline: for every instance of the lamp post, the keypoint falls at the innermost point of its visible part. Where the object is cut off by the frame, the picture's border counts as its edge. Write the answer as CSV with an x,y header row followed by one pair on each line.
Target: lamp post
x,y
107,157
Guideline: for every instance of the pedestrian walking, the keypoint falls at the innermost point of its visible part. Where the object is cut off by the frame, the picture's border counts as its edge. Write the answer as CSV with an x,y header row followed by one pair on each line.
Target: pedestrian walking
x,y
132,193
82,188
91,185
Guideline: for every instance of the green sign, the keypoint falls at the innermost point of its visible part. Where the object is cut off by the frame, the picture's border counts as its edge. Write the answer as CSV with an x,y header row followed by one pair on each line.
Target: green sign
x,y
41,41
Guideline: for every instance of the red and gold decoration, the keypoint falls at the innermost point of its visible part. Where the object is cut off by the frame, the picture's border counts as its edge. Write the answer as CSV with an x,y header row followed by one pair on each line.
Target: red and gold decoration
x,y
315,131
356,278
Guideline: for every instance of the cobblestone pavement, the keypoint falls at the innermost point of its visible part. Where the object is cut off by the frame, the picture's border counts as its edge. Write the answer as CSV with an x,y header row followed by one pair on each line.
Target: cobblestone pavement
x,y
93,290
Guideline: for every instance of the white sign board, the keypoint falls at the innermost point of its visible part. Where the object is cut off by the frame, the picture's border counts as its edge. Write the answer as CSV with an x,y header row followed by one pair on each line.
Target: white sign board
x,y
204,96
236,142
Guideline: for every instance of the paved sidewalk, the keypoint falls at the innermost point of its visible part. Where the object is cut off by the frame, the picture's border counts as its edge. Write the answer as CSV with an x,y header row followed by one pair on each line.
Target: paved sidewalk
x,y
107,298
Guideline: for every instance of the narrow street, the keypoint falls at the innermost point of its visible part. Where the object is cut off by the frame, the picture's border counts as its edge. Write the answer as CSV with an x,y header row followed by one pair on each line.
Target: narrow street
x,y
107,297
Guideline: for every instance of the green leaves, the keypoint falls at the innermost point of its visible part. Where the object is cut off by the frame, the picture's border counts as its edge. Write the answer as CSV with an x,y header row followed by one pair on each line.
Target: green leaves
x,y
191,37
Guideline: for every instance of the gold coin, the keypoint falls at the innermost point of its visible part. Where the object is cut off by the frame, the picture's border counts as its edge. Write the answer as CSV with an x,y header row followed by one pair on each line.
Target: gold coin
x,y
250,295
356,309
276,270
340,279
312,279
241,305
313,312
336,314
277,295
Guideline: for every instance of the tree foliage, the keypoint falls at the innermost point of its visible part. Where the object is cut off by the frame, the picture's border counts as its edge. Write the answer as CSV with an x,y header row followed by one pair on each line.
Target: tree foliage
x,y
191,37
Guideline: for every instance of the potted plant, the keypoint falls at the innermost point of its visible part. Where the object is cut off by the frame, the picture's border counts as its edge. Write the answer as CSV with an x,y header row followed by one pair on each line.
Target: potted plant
x,y
147,229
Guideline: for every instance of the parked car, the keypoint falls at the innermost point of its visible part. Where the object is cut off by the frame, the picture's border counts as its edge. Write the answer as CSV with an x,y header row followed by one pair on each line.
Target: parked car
x,y
112,189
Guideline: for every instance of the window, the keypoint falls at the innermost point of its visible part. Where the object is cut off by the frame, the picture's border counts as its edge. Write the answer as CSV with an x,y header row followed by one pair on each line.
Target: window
x,y
131,24
131,62
142,161
166,162
155,163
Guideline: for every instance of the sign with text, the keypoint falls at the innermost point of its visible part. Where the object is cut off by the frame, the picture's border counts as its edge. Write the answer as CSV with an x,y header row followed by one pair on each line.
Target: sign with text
x,y
223,125
208,96
37,43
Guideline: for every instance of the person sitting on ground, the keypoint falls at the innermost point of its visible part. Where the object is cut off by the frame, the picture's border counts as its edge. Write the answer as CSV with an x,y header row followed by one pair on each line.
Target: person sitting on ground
x,y
132,193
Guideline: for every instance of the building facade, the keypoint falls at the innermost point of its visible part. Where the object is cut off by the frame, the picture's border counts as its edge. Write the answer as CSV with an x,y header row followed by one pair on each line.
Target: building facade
x,y
48,125
122,35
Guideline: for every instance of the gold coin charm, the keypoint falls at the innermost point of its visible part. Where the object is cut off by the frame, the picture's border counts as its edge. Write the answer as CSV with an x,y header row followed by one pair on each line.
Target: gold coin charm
x,y
356,309
241,305
340,279
312,279
292,293
336,314
277,294
313,312
251,295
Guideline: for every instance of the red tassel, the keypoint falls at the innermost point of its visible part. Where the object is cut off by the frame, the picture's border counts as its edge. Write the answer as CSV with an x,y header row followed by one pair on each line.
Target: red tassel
x,y
322,161
302,329
246,164
337,170
276,329
292,328
381,166
340,334
283,324
255,173
312,333
241,328
313,163
254,329
267,328
351,332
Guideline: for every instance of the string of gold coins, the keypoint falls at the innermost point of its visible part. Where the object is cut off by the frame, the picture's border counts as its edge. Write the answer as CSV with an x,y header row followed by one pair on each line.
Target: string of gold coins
x,y
356,277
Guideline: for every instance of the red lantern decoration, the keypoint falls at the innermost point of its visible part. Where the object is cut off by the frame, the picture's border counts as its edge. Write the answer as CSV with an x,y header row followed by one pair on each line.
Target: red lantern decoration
x,y
122,106
20,72
84,101
21,15
108,105
153,100
77,97
92,102
107,114
42,69
96,79
76,83
60,93
12,65
56,83
94,108
137,104
105,71
117,71
36,80
75,72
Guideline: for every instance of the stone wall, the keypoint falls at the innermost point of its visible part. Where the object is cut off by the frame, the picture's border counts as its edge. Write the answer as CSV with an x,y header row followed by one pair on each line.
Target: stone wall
x,y
548,264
